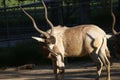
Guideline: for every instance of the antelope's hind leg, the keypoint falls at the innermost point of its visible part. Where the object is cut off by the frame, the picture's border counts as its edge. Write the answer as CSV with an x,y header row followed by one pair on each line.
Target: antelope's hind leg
x,y
99,64
106,62
99,68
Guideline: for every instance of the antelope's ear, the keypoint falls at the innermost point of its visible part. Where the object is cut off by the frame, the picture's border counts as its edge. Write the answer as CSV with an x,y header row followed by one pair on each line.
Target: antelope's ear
x,y
39,39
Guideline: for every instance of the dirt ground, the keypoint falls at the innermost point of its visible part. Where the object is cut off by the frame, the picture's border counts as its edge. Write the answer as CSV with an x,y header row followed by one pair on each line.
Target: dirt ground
x,y
74,71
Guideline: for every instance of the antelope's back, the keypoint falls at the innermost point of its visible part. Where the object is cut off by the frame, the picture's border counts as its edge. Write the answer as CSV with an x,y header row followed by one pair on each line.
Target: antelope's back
x,y
77,40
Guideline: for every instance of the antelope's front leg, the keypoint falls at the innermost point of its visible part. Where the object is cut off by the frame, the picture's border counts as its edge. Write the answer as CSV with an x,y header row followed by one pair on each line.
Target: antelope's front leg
x,y
55,70
60,65
58,71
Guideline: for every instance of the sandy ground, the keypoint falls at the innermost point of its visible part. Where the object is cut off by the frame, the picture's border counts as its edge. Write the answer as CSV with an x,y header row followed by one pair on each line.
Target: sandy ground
x,y
74,71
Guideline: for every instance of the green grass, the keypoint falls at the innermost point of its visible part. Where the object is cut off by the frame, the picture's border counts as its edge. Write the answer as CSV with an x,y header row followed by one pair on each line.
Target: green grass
x,y
11,3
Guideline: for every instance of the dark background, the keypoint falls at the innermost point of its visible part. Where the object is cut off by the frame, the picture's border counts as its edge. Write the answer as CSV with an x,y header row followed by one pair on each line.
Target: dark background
x,y
16,29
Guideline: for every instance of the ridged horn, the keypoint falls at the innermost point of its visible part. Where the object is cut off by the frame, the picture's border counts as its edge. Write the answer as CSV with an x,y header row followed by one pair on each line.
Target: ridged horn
x,y
114,19
34,24
46,17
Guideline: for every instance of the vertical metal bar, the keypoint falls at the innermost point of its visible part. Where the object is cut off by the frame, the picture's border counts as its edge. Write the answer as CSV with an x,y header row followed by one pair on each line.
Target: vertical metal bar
x,y
60,12
7,27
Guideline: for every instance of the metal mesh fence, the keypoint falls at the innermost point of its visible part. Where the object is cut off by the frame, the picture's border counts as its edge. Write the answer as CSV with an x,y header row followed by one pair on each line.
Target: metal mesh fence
x,y
15,26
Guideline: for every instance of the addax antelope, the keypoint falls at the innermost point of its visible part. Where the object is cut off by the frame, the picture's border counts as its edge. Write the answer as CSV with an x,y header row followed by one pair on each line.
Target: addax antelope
x,y
76,41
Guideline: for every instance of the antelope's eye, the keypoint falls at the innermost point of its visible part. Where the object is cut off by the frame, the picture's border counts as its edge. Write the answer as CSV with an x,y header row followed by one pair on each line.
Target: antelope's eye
x,y
47,41
50,40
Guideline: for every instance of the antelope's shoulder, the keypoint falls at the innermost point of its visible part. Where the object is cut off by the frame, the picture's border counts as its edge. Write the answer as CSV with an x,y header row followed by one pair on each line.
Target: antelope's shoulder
x,y
58,29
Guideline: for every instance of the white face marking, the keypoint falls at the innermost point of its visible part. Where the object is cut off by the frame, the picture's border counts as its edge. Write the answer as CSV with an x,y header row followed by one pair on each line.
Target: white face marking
x,y
60,60
51,46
